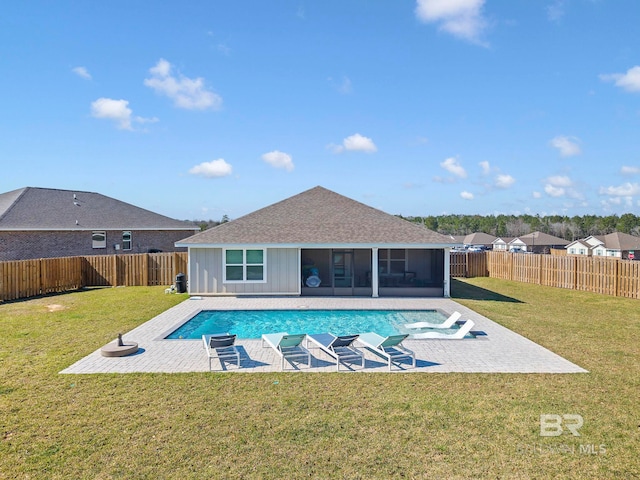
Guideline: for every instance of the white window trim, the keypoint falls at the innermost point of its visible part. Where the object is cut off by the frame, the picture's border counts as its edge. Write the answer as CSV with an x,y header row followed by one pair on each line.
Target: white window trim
x,y
244,266
93,243
130,240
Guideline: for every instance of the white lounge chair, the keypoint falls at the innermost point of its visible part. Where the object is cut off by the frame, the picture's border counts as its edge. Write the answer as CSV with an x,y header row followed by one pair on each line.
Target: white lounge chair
x,y
287,347
458,334
338,347
389,347
448,323
221,346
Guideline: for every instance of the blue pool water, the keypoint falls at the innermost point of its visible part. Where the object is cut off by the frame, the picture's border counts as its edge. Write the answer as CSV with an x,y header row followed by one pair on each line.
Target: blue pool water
x,y
253,323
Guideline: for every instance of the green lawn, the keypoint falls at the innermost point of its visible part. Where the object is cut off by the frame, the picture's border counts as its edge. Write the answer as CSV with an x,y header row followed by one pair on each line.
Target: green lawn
x,y
330,425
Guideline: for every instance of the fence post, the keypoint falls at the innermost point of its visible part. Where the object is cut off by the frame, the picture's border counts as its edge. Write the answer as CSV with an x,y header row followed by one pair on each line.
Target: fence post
x,y
616,279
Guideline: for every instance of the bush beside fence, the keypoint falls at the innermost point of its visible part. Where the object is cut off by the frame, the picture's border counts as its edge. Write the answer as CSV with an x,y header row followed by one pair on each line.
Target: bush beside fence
x,y
30,278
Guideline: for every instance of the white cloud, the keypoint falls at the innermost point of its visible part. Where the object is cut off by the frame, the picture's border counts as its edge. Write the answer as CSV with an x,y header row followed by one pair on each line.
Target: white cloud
x,y
629,170
279,159
504,181
559,186
213,169
486,168
629,81
560,181
82,72
624,190
466,195
554,191
536,195
555,11
355,143
117,110
452,166
341,86
461,18
567,146
187,93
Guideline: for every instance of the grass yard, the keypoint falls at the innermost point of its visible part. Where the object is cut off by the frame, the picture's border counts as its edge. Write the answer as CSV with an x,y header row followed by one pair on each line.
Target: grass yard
x,y
331,425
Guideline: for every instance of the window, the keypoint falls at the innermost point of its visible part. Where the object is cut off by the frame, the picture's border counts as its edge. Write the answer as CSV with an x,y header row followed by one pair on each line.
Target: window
x,y
244,265
126,240
99,239
392,261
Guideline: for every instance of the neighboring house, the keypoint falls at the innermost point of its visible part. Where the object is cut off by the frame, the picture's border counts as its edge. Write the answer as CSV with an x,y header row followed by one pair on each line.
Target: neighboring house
x,y
501,244
46,223
319,243
536,242
616,244
579,247
478,241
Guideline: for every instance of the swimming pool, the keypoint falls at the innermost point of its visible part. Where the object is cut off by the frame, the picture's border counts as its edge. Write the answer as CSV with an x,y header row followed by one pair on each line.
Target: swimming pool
x,y
253,323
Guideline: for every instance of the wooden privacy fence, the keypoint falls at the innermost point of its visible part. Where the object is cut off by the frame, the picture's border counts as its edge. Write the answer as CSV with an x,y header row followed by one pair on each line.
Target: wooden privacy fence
x,y
609,276
468,264
29,278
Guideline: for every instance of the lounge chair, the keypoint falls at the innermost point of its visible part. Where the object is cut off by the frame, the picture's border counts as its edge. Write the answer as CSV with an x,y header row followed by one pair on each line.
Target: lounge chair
x,y
456,335
287,346
221,346
448,323
388,347
338,347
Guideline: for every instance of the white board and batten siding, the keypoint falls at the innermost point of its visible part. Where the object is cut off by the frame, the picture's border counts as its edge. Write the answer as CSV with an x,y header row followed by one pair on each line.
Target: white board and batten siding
x,y
205,274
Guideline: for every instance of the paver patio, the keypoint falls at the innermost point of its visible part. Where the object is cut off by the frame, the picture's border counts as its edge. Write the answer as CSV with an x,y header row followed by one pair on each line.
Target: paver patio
x,y
499,351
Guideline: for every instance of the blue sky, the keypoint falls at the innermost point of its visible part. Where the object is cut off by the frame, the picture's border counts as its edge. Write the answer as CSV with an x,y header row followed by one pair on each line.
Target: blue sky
x,y
197,109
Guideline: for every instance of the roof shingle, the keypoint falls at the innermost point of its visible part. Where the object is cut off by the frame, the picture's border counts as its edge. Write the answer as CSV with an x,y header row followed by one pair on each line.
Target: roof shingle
x,y
318,217
36,209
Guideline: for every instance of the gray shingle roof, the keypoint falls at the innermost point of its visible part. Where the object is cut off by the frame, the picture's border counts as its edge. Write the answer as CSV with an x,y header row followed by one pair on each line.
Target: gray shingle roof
x,y
318,217
540,238
479,238
620,241
37,209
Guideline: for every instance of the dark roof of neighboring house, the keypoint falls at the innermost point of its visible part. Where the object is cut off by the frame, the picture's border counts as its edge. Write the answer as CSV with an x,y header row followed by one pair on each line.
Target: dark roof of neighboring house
x,y
318,217
540,238
38,209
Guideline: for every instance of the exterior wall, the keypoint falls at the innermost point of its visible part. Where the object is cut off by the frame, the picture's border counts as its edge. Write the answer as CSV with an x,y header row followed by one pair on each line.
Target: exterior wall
x,y
27,245
205,274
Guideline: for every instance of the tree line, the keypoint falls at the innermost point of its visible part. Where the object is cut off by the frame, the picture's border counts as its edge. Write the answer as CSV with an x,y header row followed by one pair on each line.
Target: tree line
x,y
569,228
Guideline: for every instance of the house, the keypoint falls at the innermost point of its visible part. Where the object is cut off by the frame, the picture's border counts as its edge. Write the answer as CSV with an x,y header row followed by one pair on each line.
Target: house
x,y
477,241
319,242
616,244
501,244
46,223
536,242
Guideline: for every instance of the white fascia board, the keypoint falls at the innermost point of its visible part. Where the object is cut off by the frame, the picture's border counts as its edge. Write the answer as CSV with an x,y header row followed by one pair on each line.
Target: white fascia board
x,y
317,245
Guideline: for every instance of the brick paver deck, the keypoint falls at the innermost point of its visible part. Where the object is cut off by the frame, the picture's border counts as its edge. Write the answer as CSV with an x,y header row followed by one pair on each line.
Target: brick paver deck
x,y
499,351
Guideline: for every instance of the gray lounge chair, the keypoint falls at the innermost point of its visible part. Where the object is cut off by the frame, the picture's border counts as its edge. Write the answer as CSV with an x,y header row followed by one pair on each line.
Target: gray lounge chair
x,y
338,346
390,347
287,347
221,346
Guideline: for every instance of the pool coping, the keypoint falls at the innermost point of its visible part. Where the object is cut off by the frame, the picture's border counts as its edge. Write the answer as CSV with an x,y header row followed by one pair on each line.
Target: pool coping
x,y
499,351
